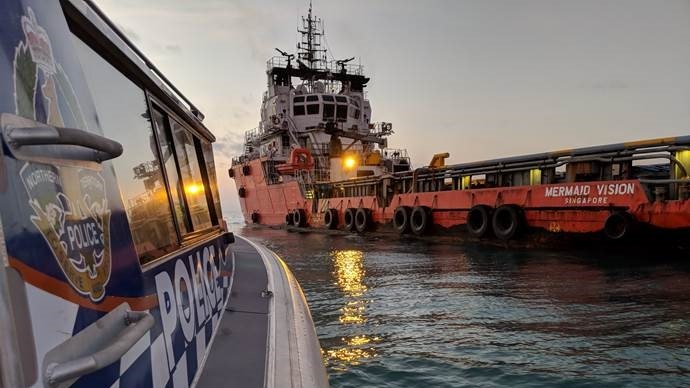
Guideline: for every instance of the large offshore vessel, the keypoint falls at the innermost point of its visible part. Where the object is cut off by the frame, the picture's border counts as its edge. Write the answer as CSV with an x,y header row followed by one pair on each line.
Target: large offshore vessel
x,y
317,160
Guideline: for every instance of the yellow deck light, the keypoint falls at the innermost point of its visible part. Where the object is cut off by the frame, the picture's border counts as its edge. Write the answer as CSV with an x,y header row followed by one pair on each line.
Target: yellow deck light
x,y
349,162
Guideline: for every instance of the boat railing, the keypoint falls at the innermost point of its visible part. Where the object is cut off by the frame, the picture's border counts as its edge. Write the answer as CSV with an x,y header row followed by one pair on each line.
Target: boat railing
x,y
395,154
329,66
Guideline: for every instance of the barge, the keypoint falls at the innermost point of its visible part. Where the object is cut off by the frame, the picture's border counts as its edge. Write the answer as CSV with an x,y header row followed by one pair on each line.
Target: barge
x,y
318,161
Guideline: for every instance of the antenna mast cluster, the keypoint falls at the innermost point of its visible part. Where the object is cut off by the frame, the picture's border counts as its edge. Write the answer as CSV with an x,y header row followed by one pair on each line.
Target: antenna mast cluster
x,y
310,50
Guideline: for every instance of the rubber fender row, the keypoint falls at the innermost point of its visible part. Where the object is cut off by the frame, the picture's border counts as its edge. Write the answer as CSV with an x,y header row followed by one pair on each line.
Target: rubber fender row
x,y
507,221
417,220
357,220
297,217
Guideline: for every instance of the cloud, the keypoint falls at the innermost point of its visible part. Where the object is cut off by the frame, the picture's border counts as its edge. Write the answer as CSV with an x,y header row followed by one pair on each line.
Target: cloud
x,y
172,48
611,84
230,145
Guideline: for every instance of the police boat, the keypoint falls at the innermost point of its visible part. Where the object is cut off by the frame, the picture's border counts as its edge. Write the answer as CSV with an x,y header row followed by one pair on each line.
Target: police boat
x,y
116,267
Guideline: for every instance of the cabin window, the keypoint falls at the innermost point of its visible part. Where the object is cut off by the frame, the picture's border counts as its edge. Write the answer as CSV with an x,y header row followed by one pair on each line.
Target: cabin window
x,y
327,97
312,98
123,116
207,150
313,109
192,180
341,99
298,99
174,182
328,111
341,112
298,110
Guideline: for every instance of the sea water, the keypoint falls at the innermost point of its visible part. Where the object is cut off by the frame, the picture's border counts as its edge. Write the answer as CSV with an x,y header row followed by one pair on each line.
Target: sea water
x,y
397,312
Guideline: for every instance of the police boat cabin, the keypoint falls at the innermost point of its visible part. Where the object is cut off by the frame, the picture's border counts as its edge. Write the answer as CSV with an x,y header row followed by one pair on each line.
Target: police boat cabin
x,y
116,267
317,160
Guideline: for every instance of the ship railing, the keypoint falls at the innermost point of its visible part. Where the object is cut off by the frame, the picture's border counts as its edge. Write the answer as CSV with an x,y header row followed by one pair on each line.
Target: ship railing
x,y
349,68
395,154
320,149
332,66
381,129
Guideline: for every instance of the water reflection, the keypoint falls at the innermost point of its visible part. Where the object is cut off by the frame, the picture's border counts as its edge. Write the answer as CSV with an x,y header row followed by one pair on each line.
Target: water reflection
x,y
349,273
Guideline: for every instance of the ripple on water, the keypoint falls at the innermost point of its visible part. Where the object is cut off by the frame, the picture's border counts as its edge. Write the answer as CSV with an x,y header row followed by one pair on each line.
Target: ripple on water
x,y
404,313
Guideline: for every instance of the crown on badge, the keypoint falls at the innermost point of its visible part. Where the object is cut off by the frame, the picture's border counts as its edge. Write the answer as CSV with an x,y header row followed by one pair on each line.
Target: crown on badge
x,y
39,43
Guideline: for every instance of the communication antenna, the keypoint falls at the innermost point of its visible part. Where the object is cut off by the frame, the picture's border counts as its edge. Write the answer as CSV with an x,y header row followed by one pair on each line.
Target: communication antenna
x,y
309,49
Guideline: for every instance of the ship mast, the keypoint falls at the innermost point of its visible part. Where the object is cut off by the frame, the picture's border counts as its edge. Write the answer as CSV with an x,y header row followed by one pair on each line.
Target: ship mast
x,y
309,51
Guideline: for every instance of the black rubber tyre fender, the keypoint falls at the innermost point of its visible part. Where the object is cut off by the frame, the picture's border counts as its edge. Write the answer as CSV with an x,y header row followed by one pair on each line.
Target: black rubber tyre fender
x,y
420,220
362,219
246,170
506,222
299,217
401,219
288,218
349,219
330,219
255,217
242,192
479,221
618,225
231,172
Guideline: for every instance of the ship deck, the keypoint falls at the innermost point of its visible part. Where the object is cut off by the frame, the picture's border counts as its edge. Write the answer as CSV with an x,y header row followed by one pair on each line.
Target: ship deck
x,y
266,336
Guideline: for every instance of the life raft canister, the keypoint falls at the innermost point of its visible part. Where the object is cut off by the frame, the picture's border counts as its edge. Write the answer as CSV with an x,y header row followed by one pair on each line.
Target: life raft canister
x,y
300,159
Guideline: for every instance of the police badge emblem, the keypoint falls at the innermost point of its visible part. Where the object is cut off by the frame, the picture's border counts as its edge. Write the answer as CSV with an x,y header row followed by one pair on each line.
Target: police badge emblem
x,y
75,223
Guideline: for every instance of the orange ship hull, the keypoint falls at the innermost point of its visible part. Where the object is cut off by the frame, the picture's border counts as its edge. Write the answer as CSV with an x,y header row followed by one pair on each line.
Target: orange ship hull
x,y
581,207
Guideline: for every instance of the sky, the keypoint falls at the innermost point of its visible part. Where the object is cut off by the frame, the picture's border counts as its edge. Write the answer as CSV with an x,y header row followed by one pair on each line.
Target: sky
x,y
476,78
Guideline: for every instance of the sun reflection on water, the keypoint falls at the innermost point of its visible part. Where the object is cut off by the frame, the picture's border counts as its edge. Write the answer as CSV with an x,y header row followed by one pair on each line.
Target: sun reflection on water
x,y
349,273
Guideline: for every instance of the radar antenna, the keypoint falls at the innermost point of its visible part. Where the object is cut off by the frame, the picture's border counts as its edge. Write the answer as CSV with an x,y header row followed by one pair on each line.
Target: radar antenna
x,y
342,63
286,55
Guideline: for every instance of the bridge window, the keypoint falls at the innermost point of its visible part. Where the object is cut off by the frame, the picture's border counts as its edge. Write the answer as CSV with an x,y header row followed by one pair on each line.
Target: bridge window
x,y
341,99
313,97
341,112
298,99
328,111
313,109
175,187
298,110
123,116
327,97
